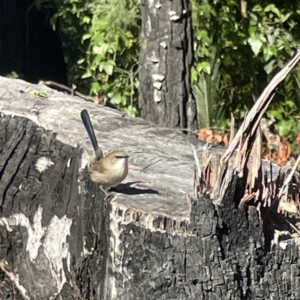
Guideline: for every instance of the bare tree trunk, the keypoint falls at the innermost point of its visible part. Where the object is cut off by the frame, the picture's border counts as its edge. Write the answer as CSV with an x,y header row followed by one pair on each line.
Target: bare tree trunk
x,y
166,57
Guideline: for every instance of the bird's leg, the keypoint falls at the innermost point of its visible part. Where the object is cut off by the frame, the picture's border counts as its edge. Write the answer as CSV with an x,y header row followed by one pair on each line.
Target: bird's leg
x,y
106,193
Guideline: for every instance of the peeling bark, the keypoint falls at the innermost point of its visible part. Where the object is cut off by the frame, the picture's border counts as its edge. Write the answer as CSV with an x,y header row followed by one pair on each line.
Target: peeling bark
x,y
165,62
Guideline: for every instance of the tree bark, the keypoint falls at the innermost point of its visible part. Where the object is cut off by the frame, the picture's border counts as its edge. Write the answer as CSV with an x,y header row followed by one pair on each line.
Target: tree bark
x,y
152,239
45,219
166,57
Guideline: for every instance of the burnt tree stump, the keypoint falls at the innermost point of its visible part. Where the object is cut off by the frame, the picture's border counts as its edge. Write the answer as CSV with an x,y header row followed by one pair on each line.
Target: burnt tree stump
x,y
59,238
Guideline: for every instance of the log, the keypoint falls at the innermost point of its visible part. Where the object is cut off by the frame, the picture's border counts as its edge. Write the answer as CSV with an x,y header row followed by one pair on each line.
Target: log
x,y
152,239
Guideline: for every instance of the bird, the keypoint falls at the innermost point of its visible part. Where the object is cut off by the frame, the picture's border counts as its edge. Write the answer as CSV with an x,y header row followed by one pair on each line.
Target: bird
x,y
109,170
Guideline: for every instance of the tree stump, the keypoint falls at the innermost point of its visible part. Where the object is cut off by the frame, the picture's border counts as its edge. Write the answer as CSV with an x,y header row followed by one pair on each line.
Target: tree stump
x,y
60,239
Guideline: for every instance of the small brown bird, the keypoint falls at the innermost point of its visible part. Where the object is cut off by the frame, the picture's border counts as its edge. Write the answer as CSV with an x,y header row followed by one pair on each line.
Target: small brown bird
x,y
106,171
110,170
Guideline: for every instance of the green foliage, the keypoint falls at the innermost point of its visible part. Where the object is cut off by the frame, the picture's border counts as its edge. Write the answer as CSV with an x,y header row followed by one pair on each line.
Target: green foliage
x,y
101,46
13,74
207,92
236,52
252,45
286,108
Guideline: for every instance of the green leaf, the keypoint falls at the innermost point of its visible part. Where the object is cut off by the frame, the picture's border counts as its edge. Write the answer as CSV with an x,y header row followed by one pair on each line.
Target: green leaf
x,y
270,66
275,114
284,17
98,39
80,61
205,51
289,103
108,69
272,8
253,30
257,8
107,66
136,84
86,19
253,19
202,35
269,51
117,99
204,66
95,87
98,59
87,74
131,111
86,37
38,94
255,44
284,128
12,74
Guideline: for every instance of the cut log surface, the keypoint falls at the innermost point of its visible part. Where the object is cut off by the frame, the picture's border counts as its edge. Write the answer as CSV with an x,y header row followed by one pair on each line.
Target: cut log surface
x,y
165,157
59,238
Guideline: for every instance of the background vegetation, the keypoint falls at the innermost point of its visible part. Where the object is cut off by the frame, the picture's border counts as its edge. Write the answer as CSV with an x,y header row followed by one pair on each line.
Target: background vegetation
x,y
101,46
238,49
239,45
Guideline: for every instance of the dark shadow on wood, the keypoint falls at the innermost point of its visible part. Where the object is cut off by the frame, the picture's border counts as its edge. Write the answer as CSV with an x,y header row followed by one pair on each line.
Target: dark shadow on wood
x,y
127,189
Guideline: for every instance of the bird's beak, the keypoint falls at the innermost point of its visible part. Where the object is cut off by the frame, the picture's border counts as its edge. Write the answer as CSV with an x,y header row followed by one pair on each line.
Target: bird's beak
x,y
122,156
